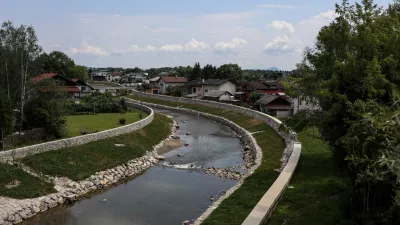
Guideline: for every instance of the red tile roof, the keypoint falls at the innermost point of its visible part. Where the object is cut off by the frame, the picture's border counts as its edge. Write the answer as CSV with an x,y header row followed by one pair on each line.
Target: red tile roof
x,y
43,76
174,79
114,74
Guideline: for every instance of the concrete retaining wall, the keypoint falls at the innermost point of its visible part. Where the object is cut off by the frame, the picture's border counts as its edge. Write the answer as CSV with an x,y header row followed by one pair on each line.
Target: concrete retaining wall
x,y
79,140
290,158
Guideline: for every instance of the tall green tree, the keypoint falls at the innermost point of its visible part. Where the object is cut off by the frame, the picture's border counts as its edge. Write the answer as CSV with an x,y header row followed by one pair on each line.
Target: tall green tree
x,y
196,72
57,62
230,71
353,72
79,72
209,71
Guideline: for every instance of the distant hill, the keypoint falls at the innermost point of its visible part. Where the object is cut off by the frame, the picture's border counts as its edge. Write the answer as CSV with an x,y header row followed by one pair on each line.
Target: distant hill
x,y
271,68
274,68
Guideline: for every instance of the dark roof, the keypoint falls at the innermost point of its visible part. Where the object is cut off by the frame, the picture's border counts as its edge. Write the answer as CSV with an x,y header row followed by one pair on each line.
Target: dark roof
x,y
174,79
267,99
274,85
257,85
216,82
193,83
216,93
81,82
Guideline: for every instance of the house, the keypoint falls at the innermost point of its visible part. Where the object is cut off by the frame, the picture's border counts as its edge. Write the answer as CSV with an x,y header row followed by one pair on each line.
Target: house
x,y
275,105
218,95
262,88
218,84
115,76
68,85
194,88
154,88
101,76
274,87
85,88
303,103
166,82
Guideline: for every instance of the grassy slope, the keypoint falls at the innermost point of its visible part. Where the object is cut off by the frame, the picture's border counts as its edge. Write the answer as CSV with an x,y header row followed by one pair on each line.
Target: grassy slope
x,y
30,186
319,189
82,161
235,209
98,122
111,84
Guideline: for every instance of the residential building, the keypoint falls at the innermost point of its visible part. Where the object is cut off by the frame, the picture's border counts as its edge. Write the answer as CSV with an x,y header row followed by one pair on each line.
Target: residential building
x,y
154,88
101,76
194,88
303,103
166,82
85,89
275,105
218,95
68,85
115,76
218,84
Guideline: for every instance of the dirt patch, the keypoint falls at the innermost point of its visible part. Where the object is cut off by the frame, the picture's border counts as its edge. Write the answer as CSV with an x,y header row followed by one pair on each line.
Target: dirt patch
x,y
254,122
169,146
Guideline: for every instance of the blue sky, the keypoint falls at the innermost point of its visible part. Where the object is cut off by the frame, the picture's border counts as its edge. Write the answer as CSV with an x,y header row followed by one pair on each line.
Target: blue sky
x,y
129,33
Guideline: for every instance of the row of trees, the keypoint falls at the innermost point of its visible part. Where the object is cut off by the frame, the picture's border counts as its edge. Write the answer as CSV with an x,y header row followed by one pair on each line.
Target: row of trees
x,y
25,104
353,72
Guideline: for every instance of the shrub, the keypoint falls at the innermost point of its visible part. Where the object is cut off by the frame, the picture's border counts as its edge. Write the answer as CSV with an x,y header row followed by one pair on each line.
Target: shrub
x,y
122,121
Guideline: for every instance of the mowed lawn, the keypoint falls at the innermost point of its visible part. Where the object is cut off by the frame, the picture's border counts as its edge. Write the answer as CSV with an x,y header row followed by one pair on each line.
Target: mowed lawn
x,y
99,122
79,162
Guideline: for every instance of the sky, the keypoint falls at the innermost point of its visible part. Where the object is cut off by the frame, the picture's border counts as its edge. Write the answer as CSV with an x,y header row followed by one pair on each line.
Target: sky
x,y
149,33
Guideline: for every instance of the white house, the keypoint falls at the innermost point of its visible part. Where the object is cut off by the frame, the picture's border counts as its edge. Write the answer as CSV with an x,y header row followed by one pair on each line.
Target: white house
x,y
303,103
166,82
218,84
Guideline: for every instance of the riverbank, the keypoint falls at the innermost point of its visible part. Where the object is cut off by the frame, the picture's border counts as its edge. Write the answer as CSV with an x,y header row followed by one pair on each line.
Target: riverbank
x,y
235,208
115,163
319,191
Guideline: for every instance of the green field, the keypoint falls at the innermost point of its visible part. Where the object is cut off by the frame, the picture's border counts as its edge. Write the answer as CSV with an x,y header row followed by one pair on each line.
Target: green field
x,y
319,192
234,210
29,186
98,122
80,162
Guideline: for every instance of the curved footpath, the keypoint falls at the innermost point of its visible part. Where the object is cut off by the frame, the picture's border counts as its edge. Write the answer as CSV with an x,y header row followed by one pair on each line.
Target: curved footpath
x,y
14,211
290,157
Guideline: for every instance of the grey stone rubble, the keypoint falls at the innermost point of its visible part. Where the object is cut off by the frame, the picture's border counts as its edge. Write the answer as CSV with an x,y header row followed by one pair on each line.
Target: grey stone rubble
x,y
252,154
10,155
14,211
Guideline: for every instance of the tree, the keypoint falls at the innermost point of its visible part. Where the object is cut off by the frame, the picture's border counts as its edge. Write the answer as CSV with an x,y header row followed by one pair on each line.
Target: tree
x,y
57,62
230,71
196,72
209,71
79,72
353,73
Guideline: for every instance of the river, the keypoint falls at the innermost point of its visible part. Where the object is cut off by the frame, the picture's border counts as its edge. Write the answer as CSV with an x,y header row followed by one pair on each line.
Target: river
x,y
162,195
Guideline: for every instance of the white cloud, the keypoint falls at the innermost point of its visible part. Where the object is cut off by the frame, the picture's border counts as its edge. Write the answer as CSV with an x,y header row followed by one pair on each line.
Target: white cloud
x,y
282,25
277,6
89,50
283,44
228,46
192,45
329,15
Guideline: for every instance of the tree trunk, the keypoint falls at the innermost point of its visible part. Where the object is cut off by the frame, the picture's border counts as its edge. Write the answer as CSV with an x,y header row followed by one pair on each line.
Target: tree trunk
x,y
22,94
8,82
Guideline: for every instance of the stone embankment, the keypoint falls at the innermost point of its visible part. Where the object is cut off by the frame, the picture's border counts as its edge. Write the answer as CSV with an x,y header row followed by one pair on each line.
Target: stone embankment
x,y
14,211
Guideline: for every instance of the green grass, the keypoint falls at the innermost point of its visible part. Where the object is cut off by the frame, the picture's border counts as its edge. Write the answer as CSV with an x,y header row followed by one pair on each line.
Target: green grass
x,y
234,210
320,189
29,186
98,122
82,161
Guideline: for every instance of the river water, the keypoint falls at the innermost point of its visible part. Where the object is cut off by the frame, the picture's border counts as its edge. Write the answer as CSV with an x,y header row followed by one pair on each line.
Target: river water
x,y
162,195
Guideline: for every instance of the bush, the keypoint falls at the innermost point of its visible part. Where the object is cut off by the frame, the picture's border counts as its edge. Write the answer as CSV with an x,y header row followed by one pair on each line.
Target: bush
x,y
122,121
